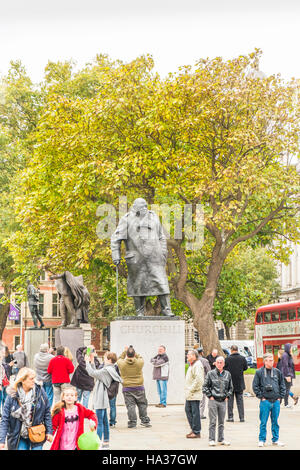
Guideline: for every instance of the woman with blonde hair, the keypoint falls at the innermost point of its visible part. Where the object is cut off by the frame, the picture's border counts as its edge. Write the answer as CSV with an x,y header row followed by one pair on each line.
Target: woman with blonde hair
x,y
68,420
68,354
26,405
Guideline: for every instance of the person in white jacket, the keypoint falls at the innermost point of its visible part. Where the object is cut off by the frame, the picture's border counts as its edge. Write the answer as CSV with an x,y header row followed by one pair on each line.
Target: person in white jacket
x,y
193,393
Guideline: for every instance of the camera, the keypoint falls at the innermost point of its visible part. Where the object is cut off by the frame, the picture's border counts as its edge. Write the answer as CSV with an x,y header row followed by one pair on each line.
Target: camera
x,y
269,388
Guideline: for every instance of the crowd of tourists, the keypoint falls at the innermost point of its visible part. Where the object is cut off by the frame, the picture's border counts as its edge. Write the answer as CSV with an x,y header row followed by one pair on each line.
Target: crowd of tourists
x,y
51,400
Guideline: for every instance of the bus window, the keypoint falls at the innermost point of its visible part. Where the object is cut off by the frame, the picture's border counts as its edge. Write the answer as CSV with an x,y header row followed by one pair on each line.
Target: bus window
x,y
269,348
298,313
275,316
292,315
283,316
259,318
267,317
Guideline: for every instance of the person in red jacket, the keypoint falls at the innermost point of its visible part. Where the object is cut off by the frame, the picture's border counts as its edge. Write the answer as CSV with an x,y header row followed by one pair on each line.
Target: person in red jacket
x,y
60,368
68,420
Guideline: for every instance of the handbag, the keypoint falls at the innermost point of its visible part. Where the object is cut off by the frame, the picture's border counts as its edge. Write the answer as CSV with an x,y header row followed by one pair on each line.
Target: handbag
x,y
37,433
5,381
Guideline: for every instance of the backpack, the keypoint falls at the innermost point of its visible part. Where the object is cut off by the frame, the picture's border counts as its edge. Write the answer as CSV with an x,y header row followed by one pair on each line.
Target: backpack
x,y
113,389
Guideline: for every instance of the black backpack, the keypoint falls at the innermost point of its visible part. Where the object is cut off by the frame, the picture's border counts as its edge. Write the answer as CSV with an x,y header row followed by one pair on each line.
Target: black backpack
x,y
113,389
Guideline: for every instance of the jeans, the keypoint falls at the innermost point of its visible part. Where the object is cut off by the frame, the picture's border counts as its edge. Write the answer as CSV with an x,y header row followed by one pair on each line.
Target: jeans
x,y
47,386
287,391
132,399
162,391
266,409
113,411
84,395
25,444
103,426
239,402
216,411
192,411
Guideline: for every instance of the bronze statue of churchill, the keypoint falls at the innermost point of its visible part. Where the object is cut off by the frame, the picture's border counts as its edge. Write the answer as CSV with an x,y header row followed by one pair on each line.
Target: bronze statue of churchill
x,y
146,256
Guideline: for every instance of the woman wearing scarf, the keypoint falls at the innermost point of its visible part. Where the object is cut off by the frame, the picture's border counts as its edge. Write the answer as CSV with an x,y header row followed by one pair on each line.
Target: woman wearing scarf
x,y
26,405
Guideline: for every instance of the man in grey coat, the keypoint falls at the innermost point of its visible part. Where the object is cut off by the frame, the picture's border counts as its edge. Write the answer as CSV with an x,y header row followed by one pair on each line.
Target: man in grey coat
x,y
20,359
41,361
146,256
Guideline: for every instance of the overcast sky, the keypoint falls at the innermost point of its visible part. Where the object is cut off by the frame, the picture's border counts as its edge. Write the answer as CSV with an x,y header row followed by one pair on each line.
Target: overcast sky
x,y
174,32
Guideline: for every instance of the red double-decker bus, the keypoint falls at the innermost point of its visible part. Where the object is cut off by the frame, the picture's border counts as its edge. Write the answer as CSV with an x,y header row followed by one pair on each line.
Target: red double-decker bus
x,y
276,325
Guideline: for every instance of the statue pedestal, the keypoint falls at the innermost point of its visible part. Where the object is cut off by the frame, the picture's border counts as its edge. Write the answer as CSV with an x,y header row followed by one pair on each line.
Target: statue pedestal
x,y
72,338
87,333
146,334
32,341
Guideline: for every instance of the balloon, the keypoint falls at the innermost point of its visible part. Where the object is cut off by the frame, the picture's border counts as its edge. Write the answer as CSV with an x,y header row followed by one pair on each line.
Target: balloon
x,y
89,441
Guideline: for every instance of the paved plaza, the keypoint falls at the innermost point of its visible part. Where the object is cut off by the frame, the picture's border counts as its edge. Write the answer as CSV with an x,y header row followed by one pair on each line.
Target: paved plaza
x,y
169,427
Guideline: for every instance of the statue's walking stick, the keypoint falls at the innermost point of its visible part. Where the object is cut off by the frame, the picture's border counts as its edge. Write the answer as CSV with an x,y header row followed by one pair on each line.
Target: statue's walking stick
x,y
117,280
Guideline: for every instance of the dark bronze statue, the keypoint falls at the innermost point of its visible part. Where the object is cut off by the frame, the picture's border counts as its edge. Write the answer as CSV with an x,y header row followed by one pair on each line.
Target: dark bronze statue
x,y
33,302
74,299
146,256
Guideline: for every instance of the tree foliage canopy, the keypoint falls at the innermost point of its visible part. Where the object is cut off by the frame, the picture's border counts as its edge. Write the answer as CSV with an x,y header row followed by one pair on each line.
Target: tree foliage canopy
x,y
217,134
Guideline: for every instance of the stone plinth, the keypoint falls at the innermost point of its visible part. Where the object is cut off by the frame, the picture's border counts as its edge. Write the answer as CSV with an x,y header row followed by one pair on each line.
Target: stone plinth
x,y
146,334
87,333
72,338
32,341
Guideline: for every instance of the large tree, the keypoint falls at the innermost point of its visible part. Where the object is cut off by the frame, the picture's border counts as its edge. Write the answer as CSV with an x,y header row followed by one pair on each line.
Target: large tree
x,y
219,135
20,102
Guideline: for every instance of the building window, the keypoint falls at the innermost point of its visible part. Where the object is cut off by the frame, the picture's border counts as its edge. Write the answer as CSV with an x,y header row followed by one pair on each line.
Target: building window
x,y
52,337
41,304
16,341
43,276
55,305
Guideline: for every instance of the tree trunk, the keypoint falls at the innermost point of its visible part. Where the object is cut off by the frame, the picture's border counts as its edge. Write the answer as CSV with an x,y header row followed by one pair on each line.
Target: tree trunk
x,y
202,309
227,330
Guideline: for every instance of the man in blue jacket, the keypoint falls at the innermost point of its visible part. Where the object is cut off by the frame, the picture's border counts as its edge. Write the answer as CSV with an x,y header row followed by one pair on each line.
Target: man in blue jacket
x,y
268,385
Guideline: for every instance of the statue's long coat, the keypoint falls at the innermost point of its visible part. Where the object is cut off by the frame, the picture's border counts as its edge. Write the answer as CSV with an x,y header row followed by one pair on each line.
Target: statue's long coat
x,y
71,288
146,253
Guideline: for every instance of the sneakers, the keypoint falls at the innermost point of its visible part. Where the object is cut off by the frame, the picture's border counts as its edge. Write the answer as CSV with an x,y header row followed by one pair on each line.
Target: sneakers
x,y
224,443
261,444
278,443
160,405
105,445
230,420
211,443
146,425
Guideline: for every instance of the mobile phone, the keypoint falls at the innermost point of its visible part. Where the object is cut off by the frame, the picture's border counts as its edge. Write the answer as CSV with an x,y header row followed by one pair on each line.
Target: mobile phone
x,y
88,351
